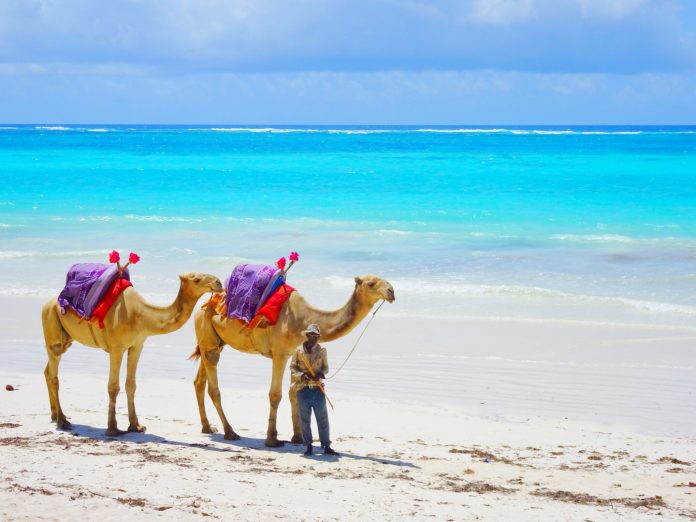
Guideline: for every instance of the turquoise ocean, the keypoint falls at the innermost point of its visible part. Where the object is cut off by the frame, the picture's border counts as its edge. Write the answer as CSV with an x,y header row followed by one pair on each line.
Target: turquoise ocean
x,y
450,215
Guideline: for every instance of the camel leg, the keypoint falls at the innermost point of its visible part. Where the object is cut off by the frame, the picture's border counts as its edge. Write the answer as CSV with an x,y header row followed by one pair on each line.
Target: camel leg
x,y
296,428
209,360
274,396
115,359
199,384
51,374
132,365
57,342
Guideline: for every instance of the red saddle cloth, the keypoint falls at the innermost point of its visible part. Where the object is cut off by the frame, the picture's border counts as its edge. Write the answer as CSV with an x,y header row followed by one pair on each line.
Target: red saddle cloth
x,y
109,299
273,305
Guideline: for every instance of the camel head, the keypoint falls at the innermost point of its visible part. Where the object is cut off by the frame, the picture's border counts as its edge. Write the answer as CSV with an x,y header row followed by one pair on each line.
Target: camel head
x,y
199,284
374,288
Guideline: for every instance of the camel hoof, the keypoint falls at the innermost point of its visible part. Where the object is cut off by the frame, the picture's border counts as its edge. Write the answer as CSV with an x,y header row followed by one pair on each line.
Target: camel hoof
x,y
136,428
231,435
274,443
208,429
64,424
296,439
114,432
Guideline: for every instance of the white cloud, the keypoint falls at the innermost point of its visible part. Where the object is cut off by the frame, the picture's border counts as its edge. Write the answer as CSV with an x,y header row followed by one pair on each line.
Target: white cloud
x,y
502,12
610,9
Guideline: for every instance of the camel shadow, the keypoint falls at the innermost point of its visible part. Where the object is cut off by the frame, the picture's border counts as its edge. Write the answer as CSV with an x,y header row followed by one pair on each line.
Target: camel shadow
x,y
251,443
90,432
289,447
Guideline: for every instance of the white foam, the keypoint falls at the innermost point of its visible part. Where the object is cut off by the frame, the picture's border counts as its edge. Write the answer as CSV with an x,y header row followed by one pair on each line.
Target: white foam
x,y
162,219
258,130
97,130
593,238
430,288
18,254
52,127
464,131
589,133
390,232
8,128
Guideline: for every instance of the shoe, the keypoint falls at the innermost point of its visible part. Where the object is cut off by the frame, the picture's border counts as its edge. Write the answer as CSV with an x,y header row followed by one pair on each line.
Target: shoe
x,y
308,451
329,451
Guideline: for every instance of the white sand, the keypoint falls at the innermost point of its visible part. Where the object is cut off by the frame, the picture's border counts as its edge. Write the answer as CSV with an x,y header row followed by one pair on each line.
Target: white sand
x,y
604,412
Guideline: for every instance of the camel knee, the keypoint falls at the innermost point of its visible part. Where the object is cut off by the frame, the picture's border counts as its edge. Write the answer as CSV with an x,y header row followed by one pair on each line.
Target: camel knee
x,y
57,349
113,390
213,356
274,397
130,387
214,392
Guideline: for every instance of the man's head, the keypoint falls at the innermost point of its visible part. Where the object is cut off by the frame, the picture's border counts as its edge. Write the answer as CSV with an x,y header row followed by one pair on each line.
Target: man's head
x,y
312,331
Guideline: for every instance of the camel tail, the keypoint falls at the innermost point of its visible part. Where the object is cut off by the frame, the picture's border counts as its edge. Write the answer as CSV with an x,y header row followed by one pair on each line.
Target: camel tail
x,y
195,355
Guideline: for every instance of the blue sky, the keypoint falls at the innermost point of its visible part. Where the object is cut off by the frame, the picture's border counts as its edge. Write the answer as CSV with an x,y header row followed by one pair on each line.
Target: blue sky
x,y
348,61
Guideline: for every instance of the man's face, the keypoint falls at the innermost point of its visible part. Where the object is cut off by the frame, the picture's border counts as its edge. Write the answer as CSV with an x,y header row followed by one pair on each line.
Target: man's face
x,y
312,338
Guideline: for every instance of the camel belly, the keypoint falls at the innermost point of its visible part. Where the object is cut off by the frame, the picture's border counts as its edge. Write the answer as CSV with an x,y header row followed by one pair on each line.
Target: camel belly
x,y
83,332
236,335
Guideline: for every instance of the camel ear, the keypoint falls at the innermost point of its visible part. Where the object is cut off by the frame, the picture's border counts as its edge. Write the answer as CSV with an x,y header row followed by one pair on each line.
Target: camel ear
x,y
358,281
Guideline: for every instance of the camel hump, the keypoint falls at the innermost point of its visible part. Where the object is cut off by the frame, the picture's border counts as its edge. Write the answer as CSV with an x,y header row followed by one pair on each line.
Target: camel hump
x,y
196,354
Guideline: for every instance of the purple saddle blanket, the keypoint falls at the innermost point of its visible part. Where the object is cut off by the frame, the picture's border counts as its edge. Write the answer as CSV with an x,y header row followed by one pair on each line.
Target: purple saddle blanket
x,y
85,286
248,287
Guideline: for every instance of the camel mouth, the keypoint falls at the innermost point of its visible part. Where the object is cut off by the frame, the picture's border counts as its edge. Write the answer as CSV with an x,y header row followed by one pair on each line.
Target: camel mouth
x,y
390,296
216,287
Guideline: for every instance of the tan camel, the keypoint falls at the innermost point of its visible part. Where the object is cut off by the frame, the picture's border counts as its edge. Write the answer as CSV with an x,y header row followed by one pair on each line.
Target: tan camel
x,y
277,342
129,322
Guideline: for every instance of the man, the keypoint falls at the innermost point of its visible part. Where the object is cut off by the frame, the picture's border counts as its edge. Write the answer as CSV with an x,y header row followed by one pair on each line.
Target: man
x,y
308,367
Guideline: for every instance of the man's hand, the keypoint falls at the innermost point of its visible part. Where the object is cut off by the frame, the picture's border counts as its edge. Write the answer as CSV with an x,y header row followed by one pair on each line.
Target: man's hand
x,y
306,377
320,375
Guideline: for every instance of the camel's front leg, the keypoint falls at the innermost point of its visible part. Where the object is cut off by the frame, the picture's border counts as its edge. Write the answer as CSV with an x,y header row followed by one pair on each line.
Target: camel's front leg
x,y
133,357
296,428
274,396
115,359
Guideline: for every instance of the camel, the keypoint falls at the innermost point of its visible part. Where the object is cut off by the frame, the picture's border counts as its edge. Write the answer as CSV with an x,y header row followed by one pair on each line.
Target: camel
x,y
277,342
129,322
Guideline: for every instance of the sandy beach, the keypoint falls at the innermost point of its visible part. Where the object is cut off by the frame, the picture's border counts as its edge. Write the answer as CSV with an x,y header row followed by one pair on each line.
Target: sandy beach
x,y
425,436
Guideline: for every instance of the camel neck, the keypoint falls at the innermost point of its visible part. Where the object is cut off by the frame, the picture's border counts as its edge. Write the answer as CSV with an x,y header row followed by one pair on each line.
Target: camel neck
x,y
337,323
165,319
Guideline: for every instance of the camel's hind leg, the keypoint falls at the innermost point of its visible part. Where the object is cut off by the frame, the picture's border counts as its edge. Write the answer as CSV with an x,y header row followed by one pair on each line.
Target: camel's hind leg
x,y
209,360
209,347
57,342
199,384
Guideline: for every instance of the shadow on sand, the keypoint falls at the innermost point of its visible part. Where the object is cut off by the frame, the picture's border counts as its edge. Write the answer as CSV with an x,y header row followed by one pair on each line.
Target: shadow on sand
x,y
250,443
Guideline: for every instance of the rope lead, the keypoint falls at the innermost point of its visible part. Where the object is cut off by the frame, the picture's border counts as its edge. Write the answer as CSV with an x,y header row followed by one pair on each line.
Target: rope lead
x,y
356,342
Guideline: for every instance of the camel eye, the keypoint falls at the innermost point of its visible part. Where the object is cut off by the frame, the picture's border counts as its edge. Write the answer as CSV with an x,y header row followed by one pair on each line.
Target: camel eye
x,y
196,280
371,284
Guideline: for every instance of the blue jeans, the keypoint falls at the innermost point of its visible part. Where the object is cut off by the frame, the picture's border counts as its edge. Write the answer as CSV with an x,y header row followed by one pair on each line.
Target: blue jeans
x,y
308,398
